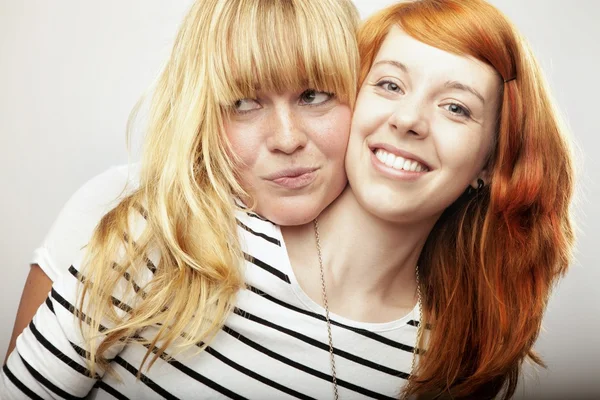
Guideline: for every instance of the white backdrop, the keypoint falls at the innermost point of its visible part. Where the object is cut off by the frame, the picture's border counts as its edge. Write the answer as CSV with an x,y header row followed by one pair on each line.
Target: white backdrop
x,y
71,71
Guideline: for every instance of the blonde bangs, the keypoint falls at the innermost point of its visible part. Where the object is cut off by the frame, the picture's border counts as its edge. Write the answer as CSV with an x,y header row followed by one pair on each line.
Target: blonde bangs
x,y
285,45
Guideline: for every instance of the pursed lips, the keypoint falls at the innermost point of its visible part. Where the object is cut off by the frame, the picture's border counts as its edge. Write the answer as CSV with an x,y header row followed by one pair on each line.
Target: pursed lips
x,y
293,178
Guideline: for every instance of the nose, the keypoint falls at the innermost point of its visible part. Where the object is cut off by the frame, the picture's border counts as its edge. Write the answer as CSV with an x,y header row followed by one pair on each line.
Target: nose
x,y
409,118
287,133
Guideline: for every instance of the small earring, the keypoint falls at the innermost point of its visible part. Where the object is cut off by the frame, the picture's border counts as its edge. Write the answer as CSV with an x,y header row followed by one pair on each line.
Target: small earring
x,y
480,184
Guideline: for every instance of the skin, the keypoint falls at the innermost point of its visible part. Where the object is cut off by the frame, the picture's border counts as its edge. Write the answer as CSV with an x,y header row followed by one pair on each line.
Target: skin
x,y
411,103
291,147
35,291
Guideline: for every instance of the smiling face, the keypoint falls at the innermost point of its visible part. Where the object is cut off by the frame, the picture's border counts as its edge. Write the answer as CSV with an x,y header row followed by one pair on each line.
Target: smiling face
x,y
291,146
422,129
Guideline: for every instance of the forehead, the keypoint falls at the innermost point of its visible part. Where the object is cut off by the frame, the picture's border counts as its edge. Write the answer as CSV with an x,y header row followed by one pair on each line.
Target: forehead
x,y
431,63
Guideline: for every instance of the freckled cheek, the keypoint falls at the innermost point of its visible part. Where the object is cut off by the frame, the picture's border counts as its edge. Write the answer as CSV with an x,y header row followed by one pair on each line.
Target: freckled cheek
x,y
330,134
245,143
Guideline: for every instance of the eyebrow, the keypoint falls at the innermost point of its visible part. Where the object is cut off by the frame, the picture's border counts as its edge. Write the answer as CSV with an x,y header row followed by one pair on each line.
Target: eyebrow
x,y
396,64
462,86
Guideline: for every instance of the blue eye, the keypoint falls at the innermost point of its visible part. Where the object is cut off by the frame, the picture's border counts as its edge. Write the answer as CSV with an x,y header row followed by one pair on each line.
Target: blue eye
x,y
458,110
390,86
314,97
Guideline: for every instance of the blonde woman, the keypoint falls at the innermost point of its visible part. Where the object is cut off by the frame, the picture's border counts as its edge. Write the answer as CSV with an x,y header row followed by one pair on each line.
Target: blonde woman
x,y
204,157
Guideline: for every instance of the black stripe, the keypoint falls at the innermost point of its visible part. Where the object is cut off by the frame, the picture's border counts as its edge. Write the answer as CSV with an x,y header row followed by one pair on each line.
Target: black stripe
x,y
364,332
40,378
59,354
251,214
149,262
28,392
260,235
147,381
267,267
101,385
254,375
150,265
247,211
323,346
50,305
191,373
63,302
84,353
116,302
141,210
302,367
136,288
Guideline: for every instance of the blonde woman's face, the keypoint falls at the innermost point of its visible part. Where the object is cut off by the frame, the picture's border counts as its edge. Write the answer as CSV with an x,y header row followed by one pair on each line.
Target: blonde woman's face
x,y
292,147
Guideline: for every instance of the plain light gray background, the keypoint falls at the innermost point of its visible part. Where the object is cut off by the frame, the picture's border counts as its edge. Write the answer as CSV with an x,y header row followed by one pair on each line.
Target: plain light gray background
x,y
71,71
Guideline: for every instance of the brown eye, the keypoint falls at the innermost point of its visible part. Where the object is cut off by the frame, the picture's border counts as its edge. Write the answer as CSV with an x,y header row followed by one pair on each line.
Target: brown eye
x,y
245,105
314,97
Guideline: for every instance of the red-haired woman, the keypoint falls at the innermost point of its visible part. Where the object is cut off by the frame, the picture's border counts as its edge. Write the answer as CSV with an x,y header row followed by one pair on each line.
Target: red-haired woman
x,y
429,275
460,181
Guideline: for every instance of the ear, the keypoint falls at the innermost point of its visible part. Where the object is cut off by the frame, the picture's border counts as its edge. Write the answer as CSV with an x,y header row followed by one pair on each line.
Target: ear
x,y
484,176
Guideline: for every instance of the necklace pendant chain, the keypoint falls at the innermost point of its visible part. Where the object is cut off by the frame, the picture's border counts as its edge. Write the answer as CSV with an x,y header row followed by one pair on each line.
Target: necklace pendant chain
x,y
328,321
336,395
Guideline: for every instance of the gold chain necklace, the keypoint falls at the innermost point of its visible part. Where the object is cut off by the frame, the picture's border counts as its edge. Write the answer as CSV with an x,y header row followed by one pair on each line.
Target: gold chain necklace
x,y
326,306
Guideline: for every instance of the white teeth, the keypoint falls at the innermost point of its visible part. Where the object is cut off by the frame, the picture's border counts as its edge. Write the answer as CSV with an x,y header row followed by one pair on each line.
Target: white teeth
x,y
398,162
389,161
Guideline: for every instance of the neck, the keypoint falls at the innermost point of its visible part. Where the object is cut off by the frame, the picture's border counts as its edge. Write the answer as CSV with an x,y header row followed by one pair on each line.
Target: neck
x,y
369,263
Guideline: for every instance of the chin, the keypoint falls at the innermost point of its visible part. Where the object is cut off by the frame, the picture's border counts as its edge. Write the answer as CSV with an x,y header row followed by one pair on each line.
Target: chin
x,y
387,207
293,215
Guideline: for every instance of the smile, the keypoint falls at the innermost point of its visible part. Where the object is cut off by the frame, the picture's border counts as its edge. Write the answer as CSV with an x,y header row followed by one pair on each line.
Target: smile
x,y
398,162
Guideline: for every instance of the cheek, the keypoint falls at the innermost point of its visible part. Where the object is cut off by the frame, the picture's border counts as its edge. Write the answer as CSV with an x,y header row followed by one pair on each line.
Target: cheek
x,y
330,133
462,151
245,142
370,114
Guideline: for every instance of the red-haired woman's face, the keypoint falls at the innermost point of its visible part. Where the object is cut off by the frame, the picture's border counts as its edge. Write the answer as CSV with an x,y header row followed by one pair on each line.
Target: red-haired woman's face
x,y
422,129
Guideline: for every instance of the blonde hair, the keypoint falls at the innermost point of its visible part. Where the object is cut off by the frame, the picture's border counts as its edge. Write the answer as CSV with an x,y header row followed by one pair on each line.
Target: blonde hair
x,y
225,50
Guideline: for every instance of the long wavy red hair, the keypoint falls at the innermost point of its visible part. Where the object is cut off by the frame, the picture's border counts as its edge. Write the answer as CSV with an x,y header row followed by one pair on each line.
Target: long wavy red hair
x,y
491,261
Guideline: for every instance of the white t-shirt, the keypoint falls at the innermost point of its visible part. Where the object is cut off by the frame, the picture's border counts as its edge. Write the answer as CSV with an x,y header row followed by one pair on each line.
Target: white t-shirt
x,y
76,222
273,346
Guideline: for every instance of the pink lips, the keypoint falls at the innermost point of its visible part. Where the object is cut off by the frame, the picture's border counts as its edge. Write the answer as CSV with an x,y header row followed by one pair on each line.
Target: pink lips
x,y
293,178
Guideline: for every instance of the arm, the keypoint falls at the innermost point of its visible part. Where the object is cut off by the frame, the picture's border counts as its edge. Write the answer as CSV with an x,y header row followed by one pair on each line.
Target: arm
x,y
36,289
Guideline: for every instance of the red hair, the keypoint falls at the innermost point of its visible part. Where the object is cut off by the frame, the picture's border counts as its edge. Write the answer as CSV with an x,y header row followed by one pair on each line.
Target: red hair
x,y
490,263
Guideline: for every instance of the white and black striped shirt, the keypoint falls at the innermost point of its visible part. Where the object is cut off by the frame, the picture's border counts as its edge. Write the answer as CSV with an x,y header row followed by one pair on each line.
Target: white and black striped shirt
x,y
274,345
